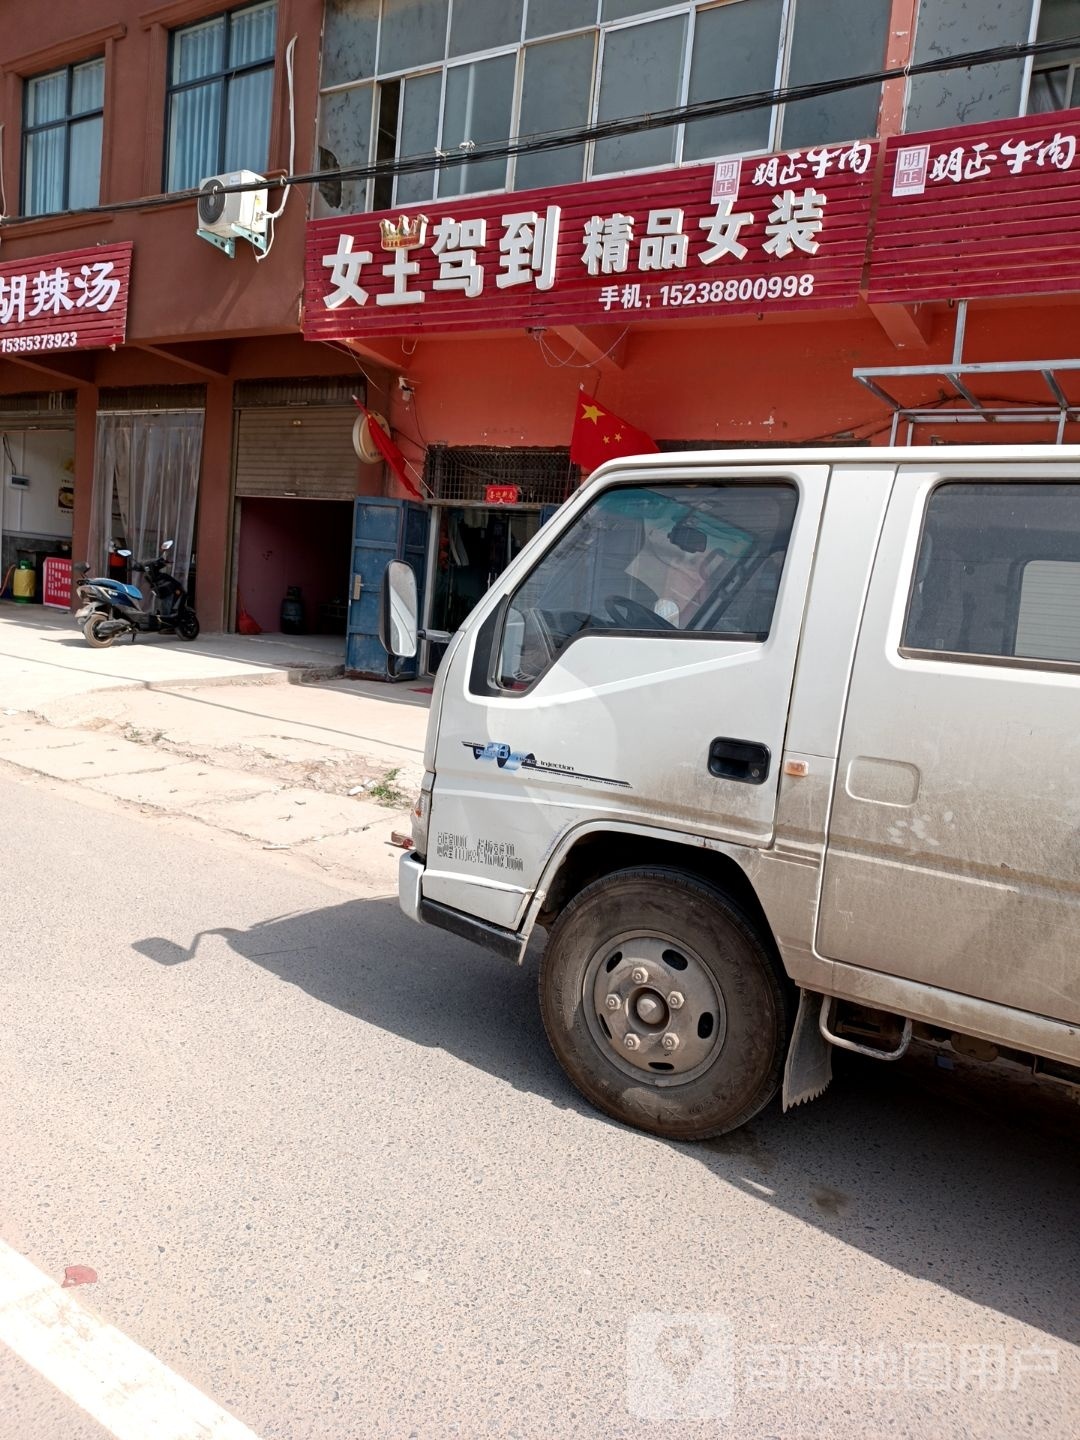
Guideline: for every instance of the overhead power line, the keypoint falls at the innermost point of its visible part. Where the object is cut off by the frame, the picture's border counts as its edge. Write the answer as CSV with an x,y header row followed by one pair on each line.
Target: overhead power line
x,y
605,130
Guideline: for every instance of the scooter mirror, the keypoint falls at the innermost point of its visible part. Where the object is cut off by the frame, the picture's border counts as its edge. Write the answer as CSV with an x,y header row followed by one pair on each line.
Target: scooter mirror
x,y
398,612
166,545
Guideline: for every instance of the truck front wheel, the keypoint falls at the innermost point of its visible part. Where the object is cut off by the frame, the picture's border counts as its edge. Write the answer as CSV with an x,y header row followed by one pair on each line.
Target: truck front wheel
x,y
663,1004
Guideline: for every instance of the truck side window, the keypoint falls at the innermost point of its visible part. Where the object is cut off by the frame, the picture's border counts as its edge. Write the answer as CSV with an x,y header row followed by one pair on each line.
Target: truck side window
x,y
998,573
702,559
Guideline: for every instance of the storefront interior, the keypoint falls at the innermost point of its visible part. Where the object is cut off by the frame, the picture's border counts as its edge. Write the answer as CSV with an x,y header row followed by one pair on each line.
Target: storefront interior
x,y
288,546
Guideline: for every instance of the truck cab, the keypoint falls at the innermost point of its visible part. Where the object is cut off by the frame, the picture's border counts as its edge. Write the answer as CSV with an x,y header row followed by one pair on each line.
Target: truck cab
x,y
781,749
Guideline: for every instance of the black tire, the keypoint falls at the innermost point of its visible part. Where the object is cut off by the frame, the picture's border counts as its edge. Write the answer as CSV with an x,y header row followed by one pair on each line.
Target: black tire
x,y
91,635
187,625
666,907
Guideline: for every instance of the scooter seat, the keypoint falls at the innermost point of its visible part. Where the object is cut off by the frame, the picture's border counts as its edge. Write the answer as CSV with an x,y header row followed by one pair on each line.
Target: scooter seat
x,y
130,592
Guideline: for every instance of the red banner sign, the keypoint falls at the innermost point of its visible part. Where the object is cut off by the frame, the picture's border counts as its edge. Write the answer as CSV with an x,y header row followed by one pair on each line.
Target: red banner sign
x,y
56,583
74,301
743,236
982,210
501,494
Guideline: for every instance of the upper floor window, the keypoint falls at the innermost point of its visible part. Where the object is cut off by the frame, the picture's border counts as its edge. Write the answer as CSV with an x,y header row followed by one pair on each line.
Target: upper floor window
x,y
991,92
62,139
221,80
1055,84
402,78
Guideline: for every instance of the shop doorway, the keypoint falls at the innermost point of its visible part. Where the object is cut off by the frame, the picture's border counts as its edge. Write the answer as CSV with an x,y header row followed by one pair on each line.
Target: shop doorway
x,y
471,547
472,539
37,466
287,546
146,486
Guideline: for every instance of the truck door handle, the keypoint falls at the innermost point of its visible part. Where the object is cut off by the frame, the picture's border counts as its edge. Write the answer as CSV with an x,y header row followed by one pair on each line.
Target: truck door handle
x,y
744,760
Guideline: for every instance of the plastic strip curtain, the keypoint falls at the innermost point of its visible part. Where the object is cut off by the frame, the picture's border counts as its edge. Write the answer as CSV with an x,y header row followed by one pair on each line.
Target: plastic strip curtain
x,y
146,484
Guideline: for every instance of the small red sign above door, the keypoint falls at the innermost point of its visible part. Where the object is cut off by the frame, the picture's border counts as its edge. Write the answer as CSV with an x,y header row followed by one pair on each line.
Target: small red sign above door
x,y
501,494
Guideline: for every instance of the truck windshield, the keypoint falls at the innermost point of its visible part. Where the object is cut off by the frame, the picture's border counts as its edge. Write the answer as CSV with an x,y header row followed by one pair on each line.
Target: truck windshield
x,y
701,558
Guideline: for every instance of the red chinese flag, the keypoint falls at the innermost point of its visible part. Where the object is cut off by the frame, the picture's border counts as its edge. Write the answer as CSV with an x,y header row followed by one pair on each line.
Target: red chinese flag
x,y
600,435
389,451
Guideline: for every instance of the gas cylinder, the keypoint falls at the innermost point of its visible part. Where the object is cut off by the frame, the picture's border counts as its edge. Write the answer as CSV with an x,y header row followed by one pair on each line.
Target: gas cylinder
x,y
292,612
24,582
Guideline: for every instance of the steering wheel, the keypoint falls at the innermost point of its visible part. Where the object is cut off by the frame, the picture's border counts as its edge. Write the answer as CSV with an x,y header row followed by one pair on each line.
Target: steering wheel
x,y
634,615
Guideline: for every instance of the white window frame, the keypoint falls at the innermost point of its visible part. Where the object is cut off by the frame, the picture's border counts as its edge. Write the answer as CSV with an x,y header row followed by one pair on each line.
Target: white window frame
x,y
599,29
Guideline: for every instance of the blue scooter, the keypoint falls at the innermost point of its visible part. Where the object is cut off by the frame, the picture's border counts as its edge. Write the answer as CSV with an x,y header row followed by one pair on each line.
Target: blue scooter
x,y
112,609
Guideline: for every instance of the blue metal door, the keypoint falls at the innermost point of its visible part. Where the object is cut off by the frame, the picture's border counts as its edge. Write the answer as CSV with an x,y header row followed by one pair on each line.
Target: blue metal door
x,y
383,530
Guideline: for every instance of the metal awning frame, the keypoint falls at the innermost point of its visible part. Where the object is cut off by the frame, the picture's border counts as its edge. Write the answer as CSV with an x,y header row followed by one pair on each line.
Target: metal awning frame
x,y
1057,410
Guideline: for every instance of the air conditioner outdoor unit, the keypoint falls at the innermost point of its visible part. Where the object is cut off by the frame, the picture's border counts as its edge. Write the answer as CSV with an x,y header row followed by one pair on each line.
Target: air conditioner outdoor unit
x,y
222,216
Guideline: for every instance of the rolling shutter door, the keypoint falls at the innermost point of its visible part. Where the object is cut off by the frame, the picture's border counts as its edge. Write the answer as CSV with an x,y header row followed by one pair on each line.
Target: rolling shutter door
x,y
296,452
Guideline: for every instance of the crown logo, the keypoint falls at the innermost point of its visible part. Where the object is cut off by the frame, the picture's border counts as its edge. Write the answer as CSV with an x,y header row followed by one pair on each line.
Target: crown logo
x,y
407,234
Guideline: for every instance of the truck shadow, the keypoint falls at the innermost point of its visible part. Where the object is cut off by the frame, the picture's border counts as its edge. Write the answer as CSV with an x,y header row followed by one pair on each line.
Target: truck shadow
x,y
967,1179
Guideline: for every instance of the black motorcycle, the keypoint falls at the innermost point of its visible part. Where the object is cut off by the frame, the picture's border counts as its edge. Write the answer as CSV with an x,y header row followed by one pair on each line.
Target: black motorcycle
x,y
112,608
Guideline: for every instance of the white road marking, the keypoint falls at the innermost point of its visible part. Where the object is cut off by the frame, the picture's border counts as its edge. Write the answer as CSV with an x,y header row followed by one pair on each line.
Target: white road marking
x,y
122,1386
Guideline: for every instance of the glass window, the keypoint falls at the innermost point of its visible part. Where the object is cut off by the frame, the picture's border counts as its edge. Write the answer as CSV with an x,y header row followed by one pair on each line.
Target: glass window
x,y
1054,88
998,572
621,9
413,34
852,43
548,17
703,559
555,94
960,97
350,41
62,139
735,52
344,140
485,25
221,85
642,71
419,133
479,106
1054,84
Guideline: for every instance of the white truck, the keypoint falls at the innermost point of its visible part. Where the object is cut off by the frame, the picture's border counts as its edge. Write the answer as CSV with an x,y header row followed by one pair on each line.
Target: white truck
x,y
782,748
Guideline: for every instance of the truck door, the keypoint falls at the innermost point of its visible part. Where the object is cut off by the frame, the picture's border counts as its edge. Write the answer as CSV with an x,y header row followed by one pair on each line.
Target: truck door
x,y
639,669
953,853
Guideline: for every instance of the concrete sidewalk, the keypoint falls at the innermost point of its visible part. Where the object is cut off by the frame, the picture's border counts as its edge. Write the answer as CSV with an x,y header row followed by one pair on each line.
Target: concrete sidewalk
x,y
244,735
43,657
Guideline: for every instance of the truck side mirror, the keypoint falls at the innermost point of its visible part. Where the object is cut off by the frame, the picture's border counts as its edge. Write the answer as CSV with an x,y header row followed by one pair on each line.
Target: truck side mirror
x,y
399,611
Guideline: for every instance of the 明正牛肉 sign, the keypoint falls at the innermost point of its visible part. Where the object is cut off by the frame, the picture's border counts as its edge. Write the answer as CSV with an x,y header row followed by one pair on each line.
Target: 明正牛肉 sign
x,y
982,210
743,235
76,300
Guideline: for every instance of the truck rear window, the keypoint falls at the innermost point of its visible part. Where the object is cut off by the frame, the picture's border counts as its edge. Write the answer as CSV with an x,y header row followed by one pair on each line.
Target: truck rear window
x,y
998,572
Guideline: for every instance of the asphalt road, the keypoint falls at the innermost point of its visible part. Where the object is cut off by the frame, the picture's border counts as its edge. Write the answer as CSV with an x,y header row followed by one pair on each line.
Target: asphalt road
x,y
326,1169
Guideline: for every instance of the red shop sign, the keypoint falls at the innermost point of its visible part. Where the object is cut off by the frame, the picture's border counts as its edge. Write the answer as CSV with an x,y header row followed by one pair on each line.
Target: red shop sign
x,y
781,233
56,583
74,301
988,209
501,494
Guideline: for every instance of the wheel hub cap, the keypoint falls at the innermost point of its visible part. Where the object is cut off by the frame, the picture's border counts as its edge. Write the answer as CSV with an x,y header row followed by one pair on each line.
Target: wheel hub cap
x,y
653,1005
